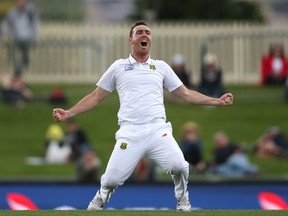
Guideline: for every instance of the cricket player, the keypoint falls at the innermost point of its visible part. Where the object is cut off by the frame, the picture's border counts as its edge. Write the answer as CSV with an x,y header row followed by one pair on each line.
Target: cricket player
x,y
144,131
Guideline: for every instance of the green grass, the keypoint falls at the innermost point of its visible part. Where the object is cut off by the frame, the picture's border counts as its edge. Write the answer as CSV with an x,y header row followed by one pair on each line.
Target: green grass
x,y
22,131
146,213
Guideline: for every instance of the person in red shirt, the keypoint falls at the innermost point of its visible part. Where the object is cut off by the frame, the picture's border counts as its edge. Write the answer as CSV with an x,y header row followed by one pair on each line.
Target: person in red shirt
x,y
274,66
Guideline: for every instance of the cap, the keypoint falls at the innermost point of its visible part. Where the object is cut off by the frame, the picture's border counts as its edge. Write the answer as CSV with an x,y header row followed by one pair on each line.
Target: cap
x,y
210,58
178,59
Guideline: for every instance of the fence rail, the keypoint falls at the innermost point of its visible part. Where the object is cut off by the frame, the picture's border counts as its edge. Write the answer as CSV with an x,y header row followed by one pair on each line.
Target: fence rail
x,y
82,53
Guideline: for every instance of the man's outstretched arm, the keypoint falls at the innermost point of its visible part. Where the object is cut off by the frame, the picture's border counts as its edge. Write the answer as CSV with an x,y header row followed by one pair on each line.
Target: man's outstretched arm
x,y
194,97
85,104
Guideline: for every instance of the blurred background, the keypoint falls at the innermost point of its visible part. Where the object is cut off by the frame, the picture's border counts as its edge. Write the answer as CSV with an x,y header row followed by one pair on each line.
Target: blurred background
x,y
52,53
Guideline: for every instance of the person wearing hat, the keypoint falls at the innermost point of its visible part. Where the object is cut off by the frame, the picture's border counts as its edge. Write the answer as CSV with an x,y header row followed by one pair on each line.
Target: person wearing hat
x,y
178,64
211,77
56,151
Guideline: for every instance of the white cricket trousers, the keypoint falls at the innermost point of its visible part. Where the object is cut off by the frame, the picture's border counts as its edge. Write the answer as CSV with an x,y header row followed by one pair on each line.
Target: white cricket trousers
x,y
155,141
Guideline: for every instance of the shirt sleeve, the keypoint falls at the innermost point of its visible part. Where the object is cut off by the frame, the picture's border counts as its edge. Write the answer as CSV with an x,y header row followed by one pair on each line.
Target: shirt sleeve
x,y
171,80
107,81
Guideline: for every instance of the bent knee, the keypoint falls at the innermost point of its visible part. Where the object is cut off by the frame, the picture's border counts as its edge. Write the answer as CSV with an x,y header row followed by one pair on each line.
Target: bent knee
x,y
178,166
112,179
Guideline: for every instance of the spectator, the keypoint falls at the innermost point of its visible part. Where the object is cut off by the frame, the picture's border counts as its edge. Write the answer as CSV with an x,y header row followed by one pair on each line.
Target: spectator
x,y
82,153
23,26
14,91
211,77
77,139
57,96
56,151
274,66
144,171
272,144
229,158
178,65
88,167
191,144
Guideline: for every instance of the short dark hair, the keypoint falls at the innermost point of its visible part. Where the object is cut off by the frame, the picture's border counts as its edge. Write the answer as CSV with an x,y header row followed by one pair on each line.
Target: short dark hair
x,y
141,22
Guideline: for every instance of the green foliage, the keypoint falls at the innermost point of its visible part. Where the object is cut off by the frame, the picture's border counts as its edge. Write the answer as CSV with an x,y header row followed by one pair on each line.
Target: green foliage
x,y
204,10
5,5
64,10
52,10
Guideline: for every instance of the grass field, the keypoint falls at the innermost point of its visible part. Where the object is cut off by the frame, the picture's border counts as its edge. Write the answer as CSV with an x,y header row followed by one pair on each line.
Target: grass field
x,y
147,213
22,131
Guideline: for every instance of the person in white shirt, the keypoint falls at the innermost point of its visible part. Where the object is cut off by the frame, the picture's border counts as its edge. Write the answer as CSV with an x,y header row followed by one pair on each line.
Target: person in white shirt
x,y
139,81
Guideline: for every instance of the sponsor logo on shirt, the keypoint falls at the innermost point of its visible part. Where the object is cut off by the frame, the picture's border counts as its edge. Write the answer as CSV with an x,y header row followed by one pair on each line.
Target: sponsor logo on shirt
x,y
129,67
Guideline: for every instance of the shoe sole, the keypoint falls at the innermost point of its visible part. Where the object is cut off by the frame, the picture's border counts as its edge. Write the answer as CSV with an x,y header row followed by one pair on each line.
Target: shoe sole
x,y
181,210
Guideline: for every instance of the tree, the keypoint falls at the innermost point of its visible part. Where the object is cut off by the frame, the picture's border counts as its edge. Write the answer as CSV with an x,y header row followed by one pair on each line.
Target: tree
x,y
5,5
60,10
200,10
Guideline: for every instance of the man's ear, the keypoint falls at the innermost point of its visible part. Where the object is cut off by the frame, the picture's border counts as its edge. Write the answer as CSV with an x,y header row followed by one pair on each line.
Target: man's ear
x,y
130,40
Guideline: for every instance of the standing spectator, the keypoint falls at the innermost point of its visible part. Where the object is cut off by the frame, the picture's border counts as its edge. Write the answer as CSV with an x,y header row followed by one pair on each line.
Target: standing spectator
x,y
82,153
191,144
23,26
178,65
211,77
274,66
229,158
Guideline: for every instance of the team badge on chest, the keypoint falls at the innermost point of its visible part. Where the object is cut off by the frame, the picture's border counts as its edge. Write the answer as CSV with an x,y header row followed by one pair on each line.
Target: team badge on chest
x,y
123,145
152,67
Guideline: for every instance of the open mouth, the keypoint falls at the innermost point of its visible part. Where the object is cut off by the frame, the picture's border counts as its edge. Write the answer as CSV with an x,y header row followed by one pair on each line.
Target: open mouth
x,y
144,43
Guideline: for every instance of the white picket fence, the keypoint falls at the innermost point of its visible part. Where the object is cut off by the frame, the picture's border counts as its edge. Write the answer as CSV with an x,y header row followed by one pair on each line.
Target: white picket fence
x,y
82,52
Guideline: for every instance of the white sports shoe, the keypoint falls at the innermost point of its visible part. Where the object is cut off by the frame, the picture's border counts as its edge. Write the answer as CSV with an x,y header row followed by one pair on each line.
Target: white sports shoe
x,y
97,203
183,204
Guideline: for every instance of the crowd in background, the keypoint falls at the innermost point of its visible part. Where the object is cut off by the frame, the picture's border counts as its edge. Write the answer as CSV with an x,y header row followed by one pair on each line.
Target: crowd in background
x,y
72,147
229,158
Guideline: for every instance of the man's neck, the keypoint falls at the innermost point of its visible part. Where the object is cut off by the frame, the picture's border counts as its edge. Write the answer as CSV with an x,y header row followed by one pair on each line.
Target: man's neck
x,y
140,58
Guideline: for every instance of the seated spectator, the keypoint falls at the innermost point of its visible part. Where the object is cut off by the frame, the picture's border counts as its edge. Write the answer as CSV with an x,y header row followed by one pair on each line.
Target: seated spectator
x,y
191,145
14,91
274,66
88,167
144,171
77,139
82,153
211,77
272,144
57,96
178,65
56,150
229,158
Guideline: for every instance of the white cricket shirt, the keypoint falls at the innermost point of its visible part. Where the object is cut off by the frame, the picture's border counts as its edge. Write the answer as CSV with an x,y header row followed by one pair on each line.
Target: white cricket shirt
x,y
140,88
